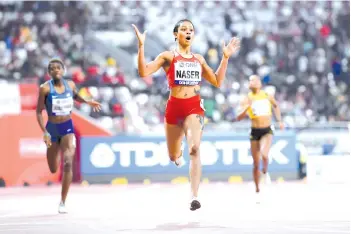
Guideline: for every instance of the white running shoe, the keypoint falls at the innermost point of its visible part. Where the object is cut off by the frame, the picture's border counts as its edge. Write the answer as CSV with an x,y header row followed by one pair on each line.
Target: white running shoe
x,y
62,208
179,162
267,178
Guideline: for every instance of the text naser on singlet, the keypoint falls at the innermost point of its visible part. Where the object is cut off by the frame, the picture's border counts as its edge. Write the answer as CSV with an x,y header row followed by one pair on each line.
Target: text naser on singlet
x,y
187,73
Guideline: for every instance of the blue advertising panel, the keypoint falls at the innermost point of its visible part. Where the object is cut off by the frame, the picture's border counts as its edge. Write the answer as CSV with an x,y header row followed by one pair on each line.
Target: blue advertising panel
x,y
126,155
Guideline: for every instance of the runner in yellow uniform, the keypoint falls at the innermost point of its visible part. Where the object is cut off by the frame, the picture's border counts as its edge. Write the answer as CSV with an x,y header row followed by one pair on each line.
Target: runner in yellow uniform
x,y
258,106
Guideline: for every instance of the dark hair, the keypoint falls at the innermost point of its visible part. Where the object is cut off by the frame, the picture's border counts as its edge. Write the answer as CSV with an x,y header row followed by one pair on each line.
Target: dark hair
x,y
176,27
56,60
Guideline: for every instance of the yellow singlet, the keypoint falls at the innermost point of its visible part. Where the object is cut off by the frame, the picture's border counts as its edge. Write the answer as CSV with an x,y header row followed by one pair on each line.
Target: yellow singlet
x,y
261,106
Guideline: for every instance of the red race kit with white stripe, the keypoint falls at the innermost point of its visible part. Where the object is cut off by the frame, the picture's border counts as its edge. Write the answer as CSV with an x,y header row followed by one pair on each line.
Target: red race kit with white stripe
x,y
183,72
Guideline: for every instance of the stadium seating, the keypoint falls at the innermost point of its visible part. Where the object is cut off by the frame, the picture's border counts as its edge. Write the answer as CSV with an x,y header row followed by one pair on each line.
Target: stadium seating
x,y
303,56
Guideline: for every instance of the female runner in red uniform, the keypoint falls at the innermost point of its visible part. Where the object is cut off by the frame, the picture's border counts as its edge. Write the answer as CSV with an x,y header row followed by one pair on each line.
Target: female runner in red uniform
x,y
184,113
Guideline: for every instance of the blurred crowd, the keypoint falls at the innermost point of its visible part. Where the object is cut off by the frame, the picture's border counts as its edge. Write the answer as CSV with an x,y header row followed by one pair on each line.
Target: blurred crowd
x,y
300,49
31,33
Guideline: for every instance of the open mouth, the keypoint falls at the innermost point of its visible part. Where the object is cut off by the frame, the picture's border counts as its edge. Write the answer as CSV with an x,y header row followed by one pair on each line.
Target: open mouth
x,y
188,38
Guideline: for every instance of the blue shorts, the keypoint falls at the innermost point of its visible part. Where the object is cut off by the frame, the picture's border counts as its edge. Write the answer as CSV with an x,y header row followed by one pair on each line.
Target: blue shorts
x,y
58,130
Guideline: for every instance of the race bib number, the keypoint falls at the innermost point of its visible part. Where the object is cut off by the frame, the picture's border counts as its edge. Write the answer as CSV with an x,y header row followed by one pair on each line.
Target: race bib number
x,y
202,105
272,128
74,141
187,73
261,107
62,106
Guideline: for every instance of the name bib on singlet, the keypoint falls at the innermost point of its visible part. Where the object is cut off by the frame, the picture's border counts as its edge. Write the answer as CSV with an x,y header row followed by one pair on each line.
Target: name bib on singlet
x,y
62,106
187,73
261,107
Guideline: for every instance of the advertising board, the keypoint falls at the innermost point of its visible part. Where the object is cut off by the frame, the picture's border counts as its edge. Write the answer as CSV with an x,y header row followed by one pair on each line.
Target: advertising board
x,y
133,155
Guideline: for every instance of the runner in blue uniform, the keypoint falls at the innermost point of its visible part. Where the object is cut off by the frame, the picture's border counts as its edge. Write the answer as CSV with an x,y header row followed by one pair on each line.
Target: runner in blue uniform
x,y
57,96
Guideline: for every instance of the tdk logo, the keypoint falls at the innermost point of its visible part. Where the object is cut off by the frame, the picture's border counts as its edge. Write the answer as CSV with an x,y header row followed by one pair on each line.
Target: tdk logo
x,y
102,156
149,154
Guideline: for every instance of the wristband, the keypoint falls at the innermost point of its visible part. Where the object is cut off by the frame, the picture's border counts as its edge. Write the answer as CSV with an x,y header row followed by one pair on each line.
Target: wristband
x,y
47,134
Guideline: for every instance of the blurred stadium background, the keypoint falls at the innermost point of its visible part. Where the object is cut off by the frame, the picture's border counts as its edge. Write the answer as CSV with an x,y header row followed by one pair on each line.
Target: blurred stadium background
x,y
300,49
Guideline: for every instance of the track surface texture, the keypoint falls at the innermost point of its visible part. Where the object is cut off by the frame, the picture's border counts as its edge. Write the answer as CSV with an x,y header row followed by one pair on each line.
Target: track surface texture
x,y
286,208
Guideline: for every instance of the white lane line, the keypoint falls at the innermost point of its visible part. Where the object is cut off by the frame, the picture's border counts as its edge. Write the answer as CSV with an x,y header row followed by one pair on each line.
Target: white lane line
x,y
315,230
20,229
31,223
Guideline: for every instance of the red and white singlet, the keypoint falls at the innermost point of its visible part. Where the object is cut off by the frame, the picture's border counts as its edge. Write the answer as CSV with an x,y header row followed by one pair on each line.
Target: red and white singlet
x,y
184,71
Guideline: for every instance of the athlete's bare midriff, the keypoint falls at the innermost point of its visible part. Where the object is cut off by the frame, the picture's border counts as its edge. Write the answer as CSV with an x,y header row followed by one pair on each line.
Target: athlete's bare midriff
x,y
59,119
261,122
184,92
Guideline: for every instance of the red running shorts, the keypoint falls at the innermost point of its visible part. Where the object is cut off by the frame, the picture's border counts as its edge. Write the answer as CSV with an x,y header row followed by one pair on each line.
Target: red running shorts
x,y
177,109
